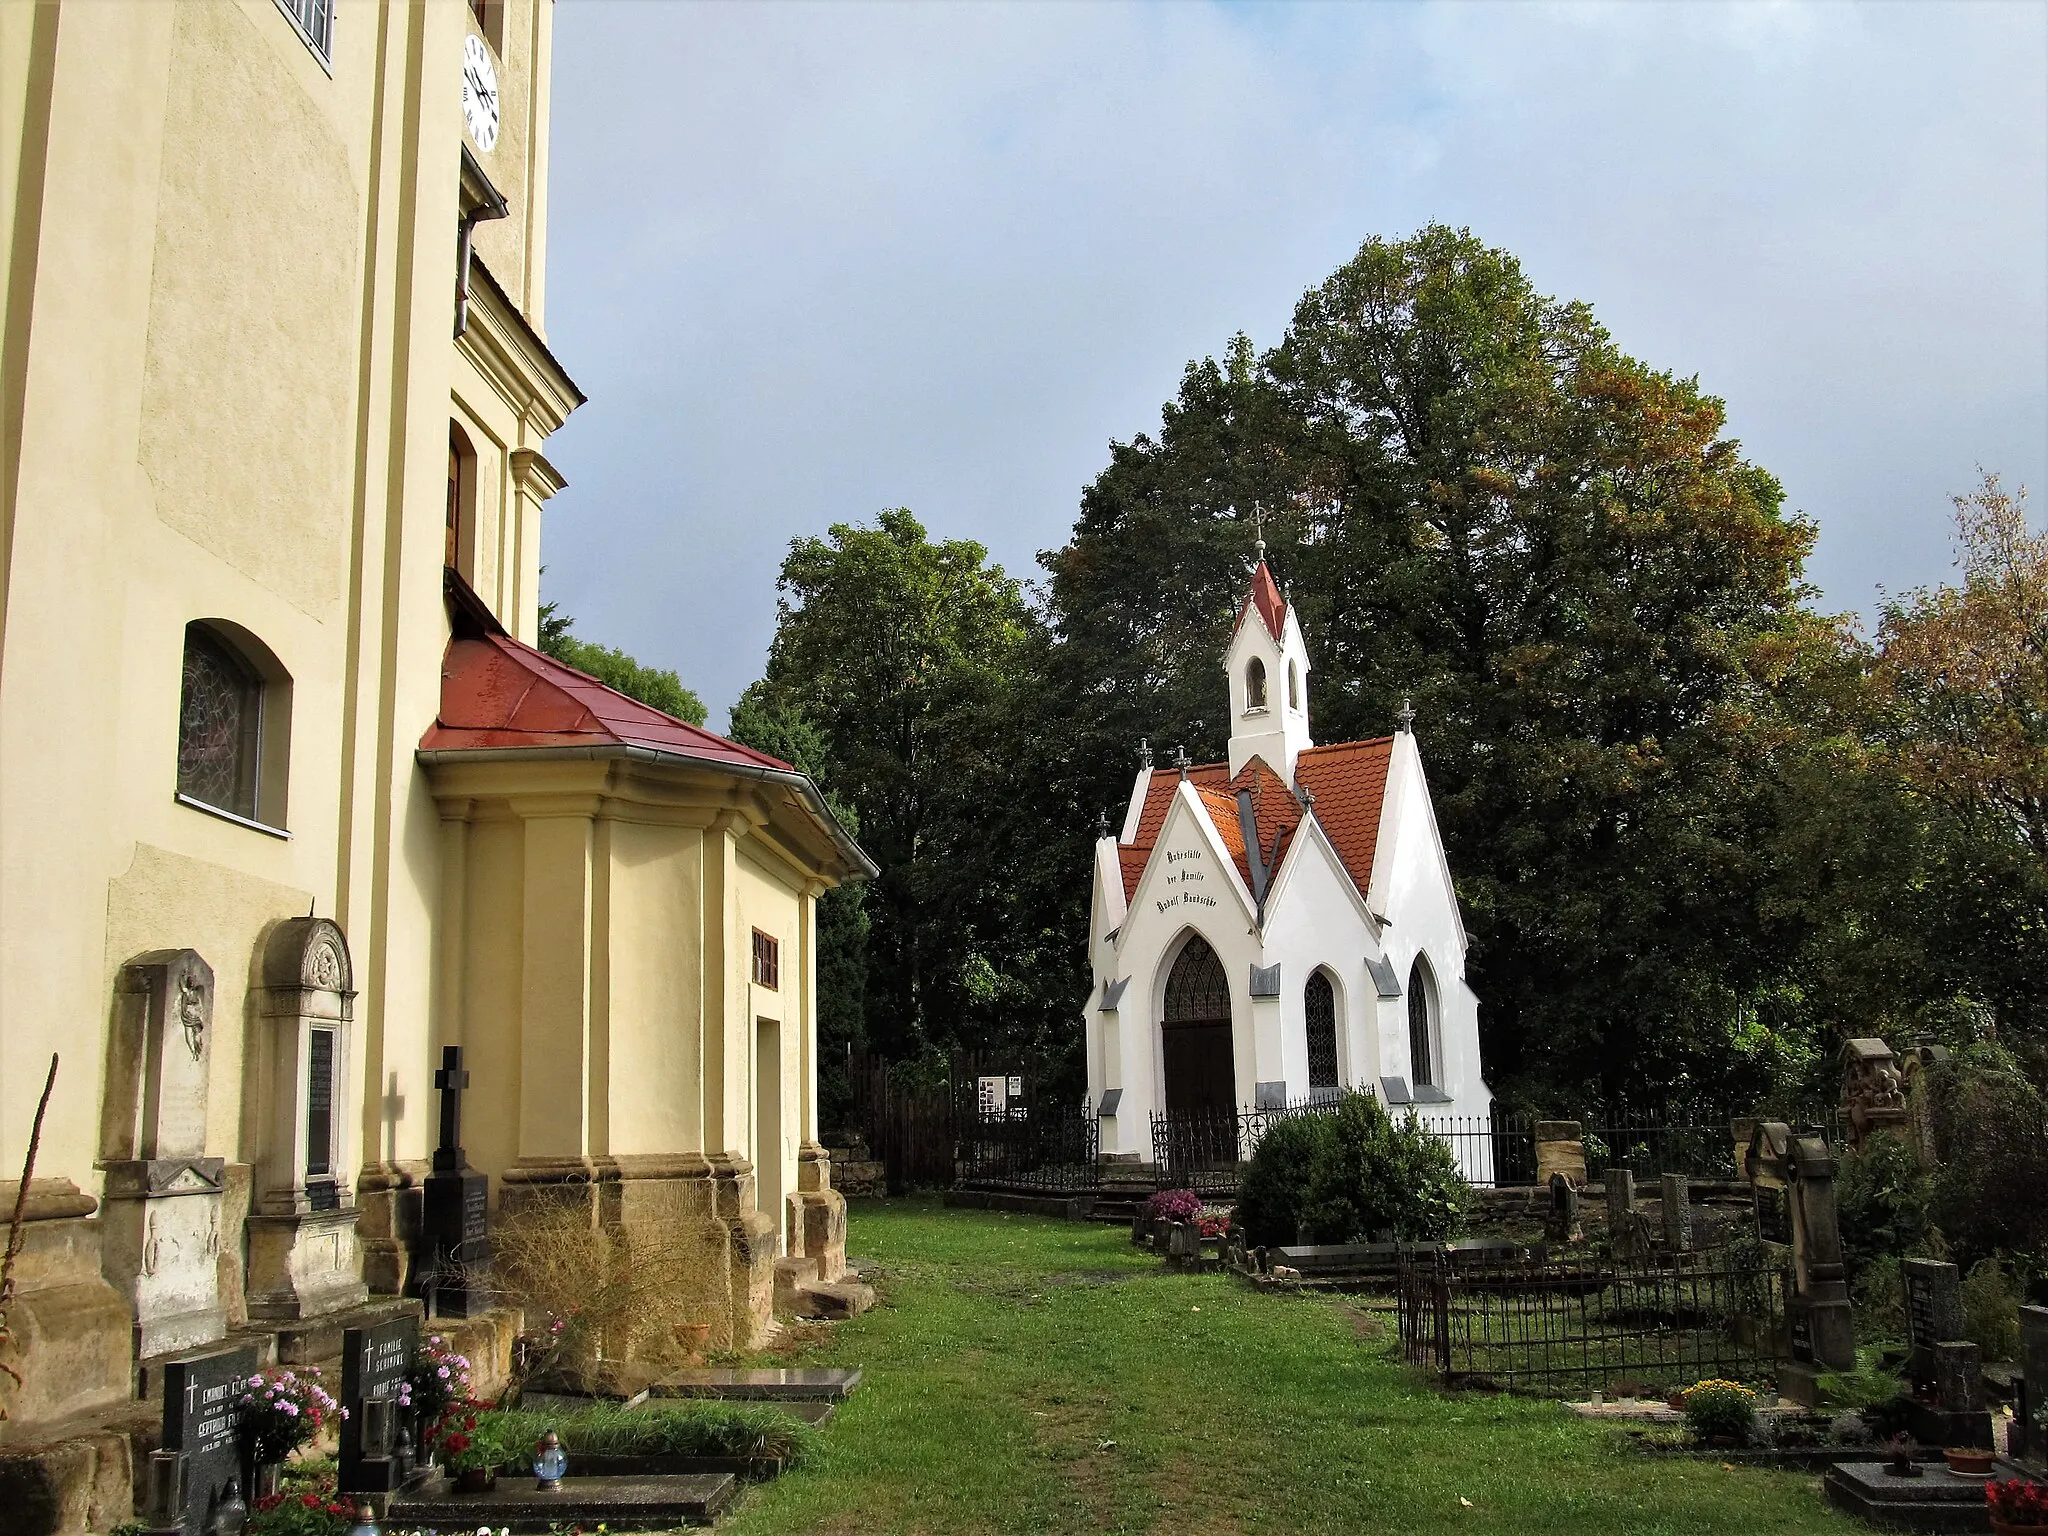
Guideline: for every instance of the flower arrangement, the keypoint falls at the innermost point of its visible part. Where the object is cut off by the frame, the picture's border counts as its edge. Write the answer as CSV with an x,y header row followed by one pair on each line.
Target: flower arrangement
x,y
283,1410
1720,1408
438,1377
469,1443
2018,1504
1213,1221
1173,1205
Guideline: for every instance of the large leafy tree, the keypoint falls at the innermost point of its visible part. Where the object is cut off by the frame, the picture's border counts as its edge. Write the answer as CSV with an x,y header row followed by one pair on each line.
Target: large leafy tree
x,y
1477,500
657,686
902,653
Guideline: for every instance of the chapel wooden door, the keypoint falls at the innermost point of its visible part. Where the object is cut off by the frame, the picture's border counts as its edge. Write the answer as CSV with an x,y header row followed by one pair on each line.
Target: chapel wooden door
x,y
1201,1073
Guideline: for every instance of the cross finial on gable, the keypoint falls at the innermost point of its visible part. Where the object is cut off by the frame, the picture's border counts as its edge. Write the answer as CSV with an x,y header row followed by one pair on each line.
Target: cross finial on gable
x,y
1102,824
1180,760
1144,753
1407,717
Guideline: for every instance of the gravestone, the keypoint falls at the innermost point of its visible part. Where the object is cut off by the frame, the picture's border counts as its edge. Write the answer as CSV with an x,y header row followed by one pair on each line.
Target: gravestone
x,y
160,1221
1873,1094
1560,1148
374,1362
1947,1407
1934,1312
1677,1192
1621,1213
1798,1163
455,1215
201,1419
2030,1428
1562,1223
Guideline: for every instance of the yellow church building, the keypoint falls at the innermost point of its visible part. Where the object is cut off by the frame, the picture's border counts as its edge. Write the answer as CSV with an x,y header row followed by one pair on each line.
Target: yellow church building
x,y
288,800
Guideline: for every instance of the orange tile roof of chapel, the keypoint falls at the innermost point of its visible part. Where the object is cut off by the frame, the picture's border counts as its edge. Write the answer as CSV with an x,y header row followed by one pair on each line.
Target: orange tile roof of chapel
x,y
1348,780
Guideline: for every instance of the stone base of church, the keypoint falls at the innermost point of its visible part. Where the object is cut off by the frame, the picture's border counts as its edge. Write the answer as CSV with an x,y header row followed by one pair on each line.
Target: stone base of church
x,y
390,1201
73,1335
305,1264
656,1195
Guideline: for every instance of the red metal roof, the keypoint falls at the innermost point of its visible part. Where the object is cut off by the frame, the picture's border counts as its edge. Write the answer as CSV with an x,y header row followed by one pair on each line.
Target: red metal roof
x,y
497,693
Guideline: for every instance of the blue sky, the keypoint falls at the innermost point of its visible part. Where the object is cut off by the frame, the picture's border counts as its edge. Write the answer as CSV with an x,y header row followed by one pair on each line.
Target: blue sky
x,y
810,261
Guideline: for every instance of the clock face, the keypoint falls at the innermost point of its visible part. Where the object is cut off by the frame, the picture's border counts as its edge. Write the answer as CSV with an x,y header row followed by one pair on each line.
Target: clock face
x,y
479,92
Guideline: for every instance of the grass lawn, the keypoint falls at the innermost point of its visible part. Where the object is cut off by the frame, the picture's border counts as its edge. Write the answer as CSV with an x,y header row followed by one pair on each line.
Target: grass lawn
x,y
1030,1375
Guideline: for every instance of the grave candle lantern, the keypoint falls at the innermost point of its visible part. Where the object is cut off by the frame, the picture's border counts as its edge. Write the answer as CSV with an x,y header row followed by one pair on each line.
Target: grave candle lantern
x,y
550,1461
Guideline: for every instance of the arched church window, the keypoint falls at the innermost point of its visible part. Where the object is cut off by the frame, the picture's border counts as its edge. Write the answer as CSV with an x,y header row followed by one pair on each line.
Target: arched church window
x,y
1255,684
1293,686
234,725
461,497
1319,1001
1196,991
1422,1023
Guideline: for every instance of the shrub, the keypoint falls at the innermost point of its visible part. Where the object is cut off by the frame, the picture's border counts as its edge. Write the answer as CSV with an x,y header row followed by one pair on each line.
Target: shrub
x,y
1173,1205
2018,1503
682,1429
1720,1408
1991,1310
1272,1192
1881,1199
1372,1177
1991,1126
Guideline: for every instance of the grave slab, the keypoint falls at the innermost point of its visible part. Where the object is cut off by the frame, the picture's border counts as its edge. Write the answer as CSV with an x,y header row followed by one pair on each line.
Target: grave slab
x,y
1937,1500
812,1384
621,1503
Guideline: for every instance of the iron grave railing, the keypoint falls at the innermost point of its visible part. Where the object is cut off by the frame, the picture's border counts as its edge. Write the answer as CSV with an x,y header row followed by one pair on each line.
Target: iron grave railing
x,y
1590,1324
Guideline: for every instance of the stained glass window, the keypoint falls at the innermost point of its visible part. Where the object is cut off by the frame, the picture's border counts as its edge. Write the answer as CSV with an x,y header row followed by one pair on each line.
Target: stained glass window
x,y
1320,999
219,716
1195,989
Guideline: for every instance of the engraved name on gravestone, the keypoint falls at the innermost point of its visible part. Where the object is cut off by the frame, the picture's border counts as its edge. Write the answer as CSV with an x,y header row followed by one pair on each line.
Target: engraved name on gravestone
x,y
201,1419
374,1362
1934,1309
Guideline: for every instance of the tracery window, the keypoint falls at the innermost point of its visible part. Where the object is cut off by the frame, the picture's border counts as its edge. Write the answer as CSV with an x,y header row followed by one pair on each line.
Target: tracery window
x,y
1255,684
1319,1000
1422,1023
220,725
1196,989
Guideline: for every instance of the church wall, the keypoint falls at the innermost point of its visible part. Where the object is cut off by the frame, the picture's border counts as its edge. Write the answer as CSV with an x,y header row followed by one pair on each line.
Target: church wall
x,y
771,899
1314,921
487,1025
653,1020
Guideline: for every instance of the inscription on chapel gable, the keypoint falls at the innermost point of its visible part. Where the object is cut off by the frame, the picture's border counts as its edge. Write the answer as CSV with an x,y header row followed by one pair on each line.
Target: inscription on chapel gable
x,y
1184,880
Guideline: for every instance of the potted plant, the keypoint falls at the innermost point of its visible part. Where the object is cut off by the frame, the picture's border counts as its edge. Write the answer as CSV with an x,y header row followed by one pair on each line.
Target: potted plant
x,y
280,1410
439,1378
1720,1413
473,1450
1969,1460
2017,1506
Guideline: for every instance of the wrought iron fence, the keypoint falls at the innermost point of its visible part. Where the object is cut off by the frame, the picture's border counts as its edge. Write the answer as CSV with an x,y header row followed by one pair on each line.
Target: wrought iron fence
x,y
1042,1147
1576,1325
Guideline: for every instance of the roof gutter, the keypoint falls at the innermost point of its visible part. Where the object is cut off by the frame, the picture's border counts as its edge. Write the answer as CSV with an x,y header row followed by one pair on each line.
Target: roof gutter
x,y
856,857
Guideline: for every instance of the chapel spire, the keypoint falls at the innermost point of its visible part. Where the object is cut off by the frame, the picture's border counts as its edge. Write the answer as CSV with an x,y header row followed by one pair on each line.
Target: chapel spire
x,y
1268,671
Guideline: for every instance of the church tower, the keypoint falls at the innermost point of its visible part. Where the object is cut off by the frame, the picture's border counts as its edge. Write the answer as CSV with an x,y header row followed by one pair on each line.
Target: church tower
x,y
1267,665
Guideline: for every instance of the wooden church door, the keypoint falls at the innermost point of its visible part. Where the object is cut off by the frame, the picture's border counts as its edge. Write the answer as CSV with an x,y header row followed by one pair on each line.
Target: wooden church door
x,y
1201,1073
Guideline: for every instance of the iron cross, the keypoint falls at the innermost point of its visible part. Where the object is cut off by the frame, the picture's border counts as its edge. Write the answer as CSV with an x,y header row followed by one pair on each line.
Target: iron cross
x,y
451,1079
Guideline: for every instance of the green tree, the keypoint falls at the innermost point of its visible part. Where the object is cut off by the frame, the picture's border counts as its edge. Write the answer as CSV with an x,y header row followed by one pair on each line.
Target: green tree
x,y
1477,501
661,688
899,652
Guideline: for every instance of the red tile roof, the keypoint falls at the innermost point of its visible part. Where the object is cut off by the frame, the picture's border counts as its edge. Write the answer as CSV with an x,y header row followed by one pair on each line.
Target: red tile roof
x,y
1348,780
498,693
1265,597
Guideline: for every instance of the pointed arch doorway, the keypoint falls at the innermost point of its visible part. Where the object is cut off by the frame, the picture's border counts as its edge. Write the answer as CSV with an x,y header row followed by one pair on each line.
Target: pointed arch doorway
x,y
1194,1033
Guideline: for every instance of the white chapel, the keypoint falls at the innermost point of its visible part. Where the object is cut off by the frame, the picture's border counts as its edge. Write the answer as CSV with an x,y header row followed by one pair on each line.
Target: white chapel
x,y
1269,929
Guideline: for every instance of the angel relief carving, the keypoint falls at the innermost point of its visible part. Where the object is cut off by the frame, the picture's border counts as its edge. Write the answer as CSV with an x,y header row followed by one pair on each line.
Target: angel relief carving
x,y
192,1013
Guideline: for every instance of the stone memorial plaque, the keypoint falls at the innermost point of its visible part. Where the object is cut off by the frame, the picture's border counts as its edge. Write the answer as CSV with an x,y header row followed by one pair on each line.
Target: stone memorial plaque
x,y
201,1420
374,1362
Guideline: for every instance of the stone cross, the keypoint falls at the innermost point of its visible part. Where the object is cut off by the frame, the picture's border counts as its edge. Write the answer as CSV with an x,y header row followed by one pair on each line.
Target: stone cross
x,y
450,1080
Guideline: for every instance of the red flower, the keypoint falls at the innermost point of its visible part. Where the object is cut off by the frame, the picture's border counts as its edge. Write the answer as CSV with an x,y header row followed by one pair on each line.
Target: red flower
x,y
311,1501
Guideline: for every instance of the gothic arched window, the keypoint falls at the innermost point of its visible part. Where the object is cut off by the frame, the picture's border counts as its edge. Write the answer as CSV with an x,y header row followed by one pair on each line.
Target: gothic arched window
x,y
234,725
1422,1023
1293,686
1319,1002
1255,684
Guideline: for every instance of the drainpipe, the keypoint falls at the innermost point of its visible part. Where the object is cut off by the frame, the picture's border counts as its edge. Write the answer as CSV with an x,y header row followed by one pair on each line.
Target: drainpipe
x,y
490,204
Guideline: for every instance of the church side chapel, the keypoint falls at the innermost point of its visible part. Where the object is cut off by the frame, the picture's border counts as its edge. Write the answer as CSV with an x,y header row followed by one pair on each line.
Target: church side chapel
x,y
1268,930
357,924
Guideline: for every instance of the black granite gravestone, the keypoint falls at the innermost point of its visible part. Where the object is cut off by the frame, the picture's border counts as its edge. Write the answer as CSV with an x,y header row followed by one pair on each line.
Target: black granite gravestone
x,y
1934,1311
374,1362
455,1218
201,1420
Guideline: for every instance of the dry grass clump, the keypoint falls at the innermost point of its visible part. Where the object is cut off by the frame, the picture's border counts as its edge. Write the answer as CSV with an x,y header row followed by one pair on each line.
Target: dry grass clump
x,y
609,1293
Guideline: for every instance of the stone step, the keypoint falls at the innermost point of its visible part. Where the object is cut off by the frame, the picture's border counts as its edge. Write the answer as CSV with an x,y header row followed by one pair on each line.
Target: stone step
x,y
832,1300
620,1503
791,1276
795,1384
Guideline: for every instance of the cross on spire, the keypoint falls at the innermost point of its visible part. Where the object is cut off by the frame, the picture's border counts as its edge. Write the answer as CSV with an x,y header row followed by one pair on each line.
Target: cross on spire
x,y
1407,717
1259,530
